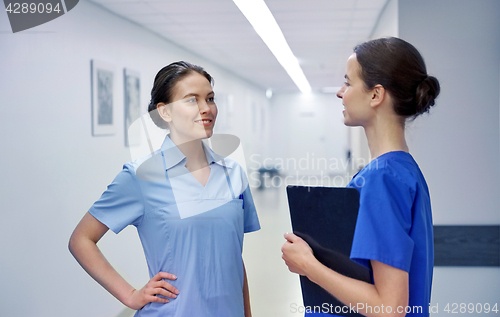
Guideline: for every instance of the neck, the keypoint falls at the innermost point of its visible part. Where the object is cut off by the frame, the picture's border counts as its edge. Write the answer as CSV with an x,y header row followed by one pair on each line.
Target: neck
x,y
385,136
193,150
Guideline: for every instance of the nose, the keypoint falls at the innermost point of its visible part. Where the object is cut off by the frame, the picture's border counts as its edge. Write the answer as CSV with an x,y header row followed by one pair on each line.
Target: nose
x,y
203,106
340,93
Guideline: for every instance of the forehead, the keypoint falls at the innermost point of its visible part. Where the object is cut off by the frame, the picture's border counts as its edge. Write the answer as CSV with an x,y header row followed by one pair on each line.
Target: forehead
x,y
194,83
352,68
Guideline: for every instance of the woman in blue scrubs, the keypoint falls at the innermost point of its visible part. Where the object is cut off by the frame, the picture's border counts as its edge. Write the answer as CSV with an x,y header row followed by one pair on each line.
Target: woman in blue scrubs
x,y
386,84
190,206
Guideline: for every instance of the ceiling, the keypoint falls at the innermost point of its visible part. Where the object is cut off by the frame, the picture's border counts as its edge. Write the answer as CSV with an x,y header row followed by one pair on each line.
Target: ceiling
x,y
321,34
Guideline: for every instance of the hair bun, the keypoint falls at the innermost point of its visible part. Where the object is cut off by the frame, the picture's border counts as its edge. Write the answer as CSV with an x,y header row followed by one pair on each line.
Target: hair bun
x,y
426,92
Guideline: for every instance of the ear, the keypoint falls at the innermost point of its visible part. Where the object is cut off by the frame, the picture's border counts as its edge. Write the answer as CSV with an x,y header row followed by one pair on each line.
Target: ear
x,y
164,111
378,95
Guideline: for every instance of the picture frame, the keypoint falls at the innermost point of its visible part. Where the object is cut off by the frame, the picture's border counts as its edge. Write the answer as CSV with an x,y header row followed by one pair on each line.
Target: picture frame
x,y
132,106
102,91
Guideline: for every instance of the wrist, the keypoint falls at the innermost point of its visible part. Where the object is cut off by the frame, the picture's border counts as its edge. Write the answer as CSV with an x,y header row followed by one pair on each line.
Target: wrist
x,y
312,268
128,298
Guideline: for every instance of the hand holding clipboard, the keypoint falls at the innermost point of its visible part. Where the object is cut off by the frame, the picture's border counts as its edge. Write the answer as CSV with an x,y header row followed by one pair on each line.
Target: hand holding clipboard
x,y
325,218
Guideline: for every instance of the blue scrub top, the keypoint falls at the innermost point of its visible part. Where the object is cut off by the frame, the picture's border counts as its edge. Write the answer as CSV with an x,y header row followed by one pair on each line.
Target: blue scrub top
x,y
186,229
394,223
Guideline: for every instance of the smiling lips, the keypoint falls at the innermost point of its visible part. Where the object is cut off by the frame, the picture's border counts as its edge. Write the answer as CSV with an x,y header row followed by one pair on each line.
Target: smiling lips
x,y
204,122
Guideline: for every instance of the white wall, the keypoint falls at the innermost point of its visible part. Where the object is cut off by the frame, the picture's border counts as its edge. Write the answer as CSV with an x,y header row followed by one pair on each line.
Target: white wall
x,y
457,145
387,24
54,169
307,130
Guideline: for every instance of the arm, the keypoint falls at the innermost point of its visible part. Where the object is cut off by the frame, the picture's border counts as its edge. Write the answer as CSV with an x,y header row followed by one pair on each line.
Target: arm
x,y
336,261
246,294
83,246
390,286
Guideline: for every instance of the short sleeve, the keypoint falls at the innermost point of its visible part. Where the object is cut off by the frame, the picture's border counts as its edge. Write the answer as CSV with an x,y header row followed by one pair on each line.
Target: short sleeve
x,y
121,204
251,221
384,220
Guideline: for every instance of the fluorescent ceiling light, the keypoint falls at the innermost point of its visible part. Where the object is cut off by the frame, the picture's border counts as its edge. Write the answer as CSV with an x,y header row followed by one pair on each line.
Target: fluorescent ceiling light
x,y
262,20
269,93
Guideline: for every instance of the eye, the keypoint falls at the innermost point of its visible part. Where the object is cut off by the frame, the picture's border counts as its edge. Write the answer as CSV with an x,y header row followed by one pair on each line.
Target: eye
x,y
211,99
346,83
191,100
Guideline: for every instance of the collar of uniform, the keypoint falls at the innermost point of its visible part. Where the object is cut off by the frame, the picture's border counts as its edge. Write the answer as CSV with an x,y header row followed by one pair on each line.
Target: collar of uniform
x,y
213,157
174,156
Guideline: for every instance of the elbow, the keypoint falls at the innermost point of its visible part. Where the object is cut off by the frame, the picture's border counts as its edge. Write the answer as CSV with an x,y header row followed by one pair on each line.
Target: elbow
x,y
396,311
71,244
384,311
403,314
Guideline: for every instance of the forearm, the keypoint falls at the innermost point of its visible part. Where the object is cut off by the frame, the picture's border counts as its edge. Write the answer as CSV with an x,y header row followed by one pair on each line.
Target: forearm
x,y
246,294
355,293
95,264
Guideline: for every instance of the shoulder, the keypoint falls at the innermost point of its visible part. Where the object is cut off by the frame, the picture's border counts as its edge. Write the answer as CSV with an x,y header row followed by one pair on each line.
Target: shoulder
x,y
147,168
393,168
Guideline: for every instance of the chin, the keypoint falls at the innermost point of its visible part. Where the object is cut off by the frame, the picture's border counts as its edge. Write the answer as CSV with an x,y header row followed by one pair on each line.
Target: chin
x,y
350,123
208,134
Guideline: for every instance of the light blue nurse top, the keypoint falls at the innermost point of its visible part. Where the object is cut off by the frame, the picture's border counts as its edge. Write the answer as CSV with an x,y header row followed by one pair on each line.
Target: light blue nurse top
x,y
394,225
186,229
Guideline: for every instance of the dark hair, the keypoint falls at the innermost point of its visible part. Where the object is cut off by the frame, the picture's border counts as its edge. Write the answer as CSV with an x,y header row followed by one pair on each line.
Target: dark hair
x,y
400,69
164,84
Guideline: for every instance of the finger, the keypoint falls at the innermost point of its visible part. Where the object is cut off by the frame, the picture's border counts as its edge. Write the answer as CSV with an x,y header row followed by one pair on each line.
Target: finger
x,y
291,237
164,275
155,289
164,292
290,268
287,247
158,299
167,286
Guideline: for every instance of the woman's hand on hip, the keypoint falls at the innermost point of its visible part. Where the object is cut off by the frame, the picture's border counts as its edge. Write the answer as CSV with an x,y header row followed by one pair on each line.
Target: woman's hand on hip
x,y
155,286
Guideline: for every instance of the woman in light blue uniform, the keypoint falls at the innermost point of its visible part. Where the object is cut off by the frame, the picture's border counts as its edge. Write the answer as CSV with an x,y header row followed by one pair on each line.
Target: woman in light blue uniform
x,y
386,83
191,208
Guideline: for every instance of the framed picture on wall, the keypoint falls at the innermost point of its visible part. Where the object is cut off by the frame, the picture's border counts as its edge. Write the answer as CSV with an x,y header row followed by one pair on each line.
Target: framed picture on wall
x,y
102,86
132,109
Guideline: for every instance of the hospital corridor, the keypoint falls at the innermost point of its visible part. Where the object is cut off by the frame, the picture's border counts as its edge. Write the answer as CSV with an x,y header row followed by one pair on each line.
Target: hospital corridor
x,y
272,87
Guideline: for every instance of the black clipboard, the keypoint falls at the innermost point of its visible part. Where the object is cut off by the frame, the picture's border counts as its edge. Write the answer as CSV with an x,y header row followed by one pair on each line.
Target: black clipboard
x,y
325,217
